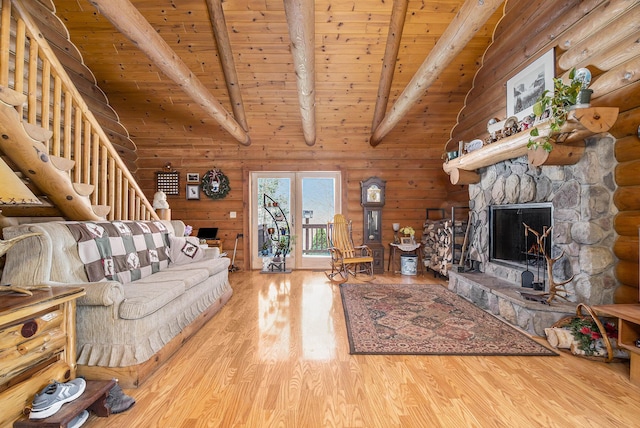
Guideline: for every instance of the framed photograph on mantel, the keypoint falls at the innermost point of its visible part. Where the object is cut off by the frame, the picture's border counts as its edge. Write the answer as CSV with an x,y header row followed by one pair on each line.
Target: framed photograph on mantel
x,y
524,88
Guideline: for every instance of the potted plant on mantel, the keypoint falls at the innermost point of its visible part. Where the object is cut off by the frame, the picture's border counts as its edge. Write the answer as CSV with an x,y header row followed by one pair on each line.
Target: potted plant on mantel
x,y
564,98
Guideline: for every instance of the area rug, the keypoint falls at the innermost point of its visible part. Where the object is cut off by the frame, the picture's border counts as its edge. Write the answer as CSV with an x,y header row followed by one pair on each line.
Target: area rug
x,y
426,319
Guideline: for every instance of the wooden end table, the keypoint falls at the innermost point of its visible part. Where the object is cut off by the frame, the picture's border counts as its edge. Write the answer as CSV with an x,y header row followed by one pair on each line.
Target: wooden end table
x,y
38,343
628,332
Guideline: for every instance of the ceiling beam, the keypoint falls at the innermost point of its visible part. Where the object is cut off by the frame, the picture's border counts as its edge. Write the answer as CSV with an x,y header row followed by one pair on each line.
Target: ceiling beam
x,y
301,22
130,22
398,15
216,14
472,15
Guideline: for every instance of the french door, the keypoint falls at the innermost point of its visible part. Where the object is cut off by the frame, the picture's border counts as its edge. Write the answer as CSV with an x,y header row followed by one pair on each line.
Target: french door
x,y
294,214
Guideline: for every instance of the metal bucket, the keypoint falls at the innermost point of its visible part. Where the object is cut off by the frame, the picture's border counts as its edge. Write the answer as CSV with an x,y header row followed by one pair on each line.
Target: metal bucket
x,y
408,264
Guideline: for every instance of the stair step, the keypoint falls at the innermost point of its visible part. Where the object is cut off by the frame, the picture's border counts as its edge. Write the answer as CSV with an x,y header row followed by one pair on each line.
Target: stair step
x,y
11,97
83,189
22,210
38,133
63,164
101,210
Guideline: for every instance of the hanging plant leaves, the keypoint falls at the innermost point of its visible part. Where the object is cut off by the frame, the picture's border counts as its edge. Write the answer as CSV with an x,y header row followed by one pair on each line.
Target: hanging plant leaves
x,y
215,184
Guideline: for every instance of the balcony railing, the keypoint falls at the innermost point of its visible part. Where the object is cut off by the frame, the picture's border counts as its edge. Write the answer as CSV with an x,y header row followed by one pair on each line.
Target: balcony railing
x,y
313,240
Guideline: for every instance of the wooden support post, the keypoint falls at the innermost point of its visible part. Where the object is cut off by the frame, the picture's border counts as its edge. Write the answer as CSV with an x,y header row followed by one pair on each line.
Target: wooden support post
x,y
130,22
460,176
301,21
562,154
472,15
394,36
219,25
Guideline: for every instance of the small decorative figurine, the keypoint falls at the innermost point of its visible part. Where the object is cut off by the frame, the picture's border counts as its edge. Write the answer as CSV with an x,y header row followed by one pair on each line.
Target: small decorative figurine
x,y
160,201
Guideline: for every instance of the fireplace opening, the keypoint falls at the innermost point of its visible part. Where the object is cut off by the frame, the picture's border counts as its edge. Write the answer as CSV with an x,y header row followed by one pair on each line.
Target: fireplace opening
x,y
507,240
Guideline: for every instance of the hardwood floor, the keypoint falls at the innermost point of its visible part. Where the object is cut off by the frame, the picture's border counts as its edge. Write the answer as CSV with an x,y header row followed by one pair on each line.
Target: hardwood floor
x,y
277,356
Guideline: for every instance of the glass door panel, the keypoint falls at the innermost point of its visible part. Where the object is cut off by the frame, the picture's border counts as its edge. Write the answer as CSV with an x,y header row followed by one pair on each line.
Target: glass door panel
x,y
273,222
312,197
318,205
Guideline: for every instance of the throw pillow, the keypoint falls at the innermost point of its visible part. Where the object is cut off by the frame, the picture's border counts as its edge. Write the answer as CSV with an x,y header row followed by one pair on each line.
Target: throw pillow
x,y
184,250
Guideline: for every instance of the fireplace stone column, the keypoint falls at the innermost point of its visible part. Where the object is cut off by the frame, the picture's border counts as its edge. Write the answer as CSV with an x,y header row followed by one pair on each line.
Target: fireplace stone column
x,y
583,211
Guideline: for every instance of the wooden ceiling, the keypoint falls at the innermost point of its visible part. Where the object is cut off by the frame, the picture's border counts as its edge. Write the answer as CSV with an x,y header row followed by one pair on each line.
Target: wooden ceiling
x,y
348,49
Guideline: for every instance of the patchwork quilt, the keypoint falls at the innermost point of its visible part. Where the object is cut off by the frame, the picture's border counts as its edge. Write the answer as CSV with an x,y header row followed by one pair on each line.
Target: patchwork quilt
x,y
123,251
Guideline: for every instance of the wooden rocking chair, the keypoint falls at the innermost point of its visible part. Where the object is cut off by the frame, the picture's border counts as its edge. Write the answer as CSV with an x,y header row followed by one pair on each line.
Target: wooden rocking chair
x,y
345,257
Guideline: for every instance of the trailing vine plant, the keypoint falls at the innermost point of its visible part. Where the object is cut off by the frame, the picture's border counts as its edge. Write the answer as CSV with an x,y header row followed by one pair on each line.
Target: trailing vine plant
x,y
563,97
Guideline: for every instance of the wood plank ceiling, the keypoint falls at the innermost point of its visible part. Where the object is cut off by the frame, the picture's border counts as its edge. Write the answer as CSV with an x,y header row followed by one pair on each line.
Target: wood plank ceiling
x,y
348,49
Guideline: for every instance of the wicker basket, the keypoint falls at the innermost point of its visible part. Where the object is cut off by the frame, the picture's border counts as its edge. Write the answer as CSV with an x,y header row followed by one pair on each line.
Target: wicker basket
x,y
591,315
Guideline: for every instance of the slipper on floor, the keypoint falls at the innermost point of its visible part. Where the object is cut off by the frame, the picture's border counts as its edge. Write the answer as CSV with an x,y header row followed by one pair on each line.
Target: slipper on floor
x,y
118,401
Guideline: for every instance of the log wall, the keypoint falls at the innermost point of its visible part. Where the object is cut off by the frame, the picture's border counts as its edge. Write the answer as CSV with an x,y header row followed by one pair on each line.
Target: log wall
x,y
602,36
412,185
167,126
594,33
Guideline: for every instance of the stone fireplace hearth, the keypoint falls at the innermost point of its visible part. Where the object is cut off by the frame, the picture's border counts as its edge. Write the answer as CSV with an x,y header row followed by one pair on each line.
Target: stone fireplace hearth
x,y
583,211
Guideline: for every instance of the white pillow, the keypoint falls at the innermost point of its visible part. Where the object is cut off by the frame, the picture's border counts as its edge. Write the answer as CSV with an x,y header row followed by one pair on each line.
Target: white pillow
x,y
184,250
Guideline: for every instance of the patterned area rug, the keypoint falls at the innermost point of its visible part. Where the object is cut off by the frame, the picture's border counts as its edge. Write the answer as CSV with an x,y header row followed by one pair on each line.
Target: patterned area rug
x,y
426,319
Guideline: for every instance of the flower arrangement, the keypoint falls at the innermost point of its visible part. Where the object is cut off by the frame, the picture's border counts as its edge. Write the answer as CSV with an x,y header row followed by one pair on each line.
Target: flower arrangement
x,y
408,230
586,333
187,230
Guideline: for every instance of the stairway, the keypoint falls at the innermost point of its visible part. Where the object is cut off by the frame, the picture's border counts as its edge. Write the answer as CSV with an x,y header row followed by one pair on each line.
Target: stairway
x,y
51,137
24,145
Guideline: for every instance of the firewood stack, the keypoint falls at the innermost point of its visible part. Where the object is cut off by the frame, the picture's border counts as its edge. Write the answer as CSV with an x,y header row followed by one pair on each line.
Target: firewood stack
x,y
434,241
438,241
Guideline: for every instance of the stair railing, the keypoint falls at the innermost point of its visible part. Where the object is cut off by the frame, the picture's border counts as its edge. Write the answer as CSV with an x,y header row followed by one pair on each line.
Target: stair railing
x,y
29,66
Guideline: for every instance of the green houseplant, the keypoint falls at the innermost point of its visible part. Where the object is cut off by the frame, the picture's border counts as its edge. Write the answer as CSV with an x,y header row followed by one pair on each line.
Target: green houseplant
x,y
558,104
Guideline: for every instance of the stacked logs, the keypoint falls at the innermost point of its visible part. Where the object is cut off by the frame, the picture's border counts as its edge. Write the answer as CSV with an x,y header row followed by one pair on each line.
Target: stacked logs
x,y
430,242
436,244
440,239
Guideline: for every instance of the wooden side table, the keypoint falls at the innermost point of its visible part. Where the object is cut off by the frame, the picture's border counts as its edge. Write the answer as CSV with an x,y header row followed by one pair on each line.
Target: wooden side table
x,y
37,344
628,332
415,250
215,243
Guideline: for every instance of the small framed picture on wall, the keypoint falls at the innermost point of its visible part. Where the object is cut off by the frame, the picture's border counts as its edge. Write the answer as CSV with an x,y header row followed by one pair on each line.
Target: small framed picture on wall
x,y
193,177
193,191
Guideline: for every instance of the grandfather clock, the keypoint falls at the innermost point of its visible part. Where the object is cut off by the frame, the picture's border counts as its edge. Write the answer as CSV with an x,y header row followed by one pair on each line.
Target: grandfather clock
x,y
372,200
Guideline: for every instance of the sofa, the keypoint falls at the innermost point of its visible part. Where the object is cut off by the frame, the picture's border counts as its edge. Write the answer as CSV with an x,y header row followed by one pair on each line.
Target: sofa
x,y
148,288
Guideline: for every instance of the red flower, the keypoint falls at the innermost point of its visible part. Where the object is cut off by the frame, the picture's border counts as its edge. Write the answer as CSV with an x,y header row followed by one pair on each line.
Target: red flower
x,y
585,330
611,329
595,335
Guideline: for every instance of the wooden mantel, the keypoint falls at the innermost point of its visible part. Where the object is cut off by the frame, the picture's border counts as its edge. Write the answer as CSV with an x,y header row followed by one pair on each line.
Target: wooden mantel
x,y
568,145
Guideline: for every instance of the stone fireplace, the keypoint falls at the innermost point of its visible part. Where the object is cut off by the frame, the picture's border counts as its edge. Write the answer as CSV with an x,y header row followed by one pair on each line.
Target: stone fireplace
x,y
580,198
